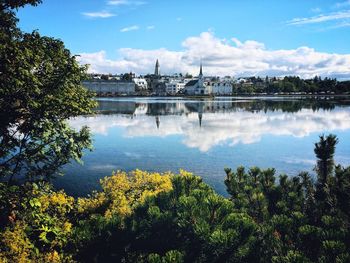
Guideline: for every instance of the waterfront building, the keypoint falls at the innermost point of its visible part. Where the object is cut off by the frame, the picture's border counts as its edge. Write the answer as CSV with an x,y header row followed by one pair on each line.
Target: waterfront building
x,y
173,87
197,86
110,87
141,84
221,88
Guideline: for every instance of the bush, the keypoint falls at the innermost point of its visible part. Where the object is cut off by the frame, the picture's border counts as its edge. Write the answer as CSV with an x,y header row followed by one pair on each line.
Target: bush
x,y
152,217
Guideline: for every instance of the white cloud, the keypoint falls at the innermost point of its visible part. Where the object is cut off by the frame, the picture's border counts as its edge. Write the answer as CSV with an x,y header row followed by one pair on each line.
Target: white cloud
x,y
125,2
341,24
118,2
294,160
102,14
342,4
223,57
151,27
316,10
130,28
320,18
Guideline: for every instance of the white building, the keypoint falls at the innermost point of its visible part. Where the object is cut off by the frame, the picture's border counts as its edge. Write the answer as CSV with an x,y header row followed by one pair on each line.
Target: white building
x,y
173,87
197,86
141,83
110,87
221,88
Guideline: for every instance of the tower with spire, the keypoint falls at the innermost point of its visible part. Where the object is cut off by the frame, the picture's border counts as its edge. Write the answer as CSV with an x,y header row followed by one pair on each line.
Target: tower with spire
x,y
200,76
156,70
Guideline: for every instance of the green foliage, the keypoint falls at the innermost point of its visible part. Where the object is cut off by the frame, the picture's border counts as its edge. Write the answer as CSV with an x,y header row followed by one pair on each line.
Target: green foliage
x,y
172,256
151,217
304,221
292,84
40,87
194,219
38,223
12,4
324,151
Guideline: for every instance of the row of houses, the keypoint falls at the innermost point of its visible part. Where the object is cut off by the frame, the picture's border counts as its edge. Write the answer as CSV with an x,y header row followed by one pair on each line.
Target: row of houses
x,y
201,86
195,87
155,84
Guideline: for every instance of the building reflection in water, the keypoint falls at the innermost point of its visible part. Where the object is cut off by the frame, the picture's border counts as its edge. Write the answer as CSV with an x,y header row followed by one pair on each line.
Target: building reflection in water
x,y
157,122
161,107
200,116
158,107
204,124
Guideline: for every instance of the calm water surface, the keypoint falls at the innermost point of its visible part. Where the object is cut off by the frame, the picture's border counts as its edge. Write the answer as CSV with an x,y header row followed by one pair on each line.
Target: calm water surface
x,y
204,137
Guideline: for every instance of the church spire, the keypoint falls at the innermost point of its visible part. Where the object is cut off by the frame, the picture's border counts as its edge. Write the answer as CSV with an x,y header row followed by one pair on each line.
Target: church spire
x,y
200,71
156,70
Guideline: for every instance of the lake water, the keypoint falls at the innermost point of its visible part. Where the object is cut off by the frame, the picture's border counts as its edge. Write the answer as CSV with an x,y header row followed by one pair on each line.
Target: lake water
x,y
204,137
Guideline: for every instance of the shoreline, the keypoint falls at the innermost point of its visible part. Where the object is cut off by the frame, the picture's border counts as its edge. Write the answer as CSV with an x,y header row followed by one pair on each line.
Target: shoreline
x,y
311,96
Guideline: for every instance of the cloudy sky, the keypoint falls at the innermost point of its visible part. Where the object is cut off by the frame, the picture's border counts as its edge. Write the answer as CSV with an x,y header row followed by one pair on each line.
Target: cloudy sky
x,y
237,38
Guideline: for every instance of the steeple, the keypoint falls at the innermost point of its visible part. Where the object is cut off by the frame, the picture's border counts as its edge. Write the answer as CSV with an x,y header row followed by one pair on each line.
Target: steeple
x,y
200,71
156,70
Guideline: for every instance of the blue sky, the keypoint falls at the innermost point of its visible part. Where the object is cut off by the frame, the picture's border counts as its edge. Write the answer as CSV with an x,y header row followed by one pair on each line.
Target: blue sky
x,y
122,35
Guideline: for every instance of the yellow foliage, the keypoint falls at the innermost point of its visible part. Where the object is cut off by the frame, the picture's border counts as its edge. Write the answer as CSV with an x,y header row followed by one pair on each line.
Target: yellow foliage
x,y
46,212
54,206
115,184
185,173
67,227
89,205
17,248
123,191
58,201
2,258
52,257
17,245
40,215
127,190
119,205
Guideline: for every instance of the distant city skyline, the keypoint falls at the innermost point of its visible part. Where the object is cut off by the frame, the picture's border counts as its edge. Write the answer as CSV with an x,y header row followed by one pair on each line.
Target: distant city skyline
x,y
235,38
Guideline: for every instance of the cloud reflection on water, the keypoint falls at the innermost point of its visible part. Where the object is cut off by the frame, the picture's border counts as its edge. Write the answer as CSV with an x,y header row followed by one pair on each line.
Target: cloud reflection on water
x,y
218,128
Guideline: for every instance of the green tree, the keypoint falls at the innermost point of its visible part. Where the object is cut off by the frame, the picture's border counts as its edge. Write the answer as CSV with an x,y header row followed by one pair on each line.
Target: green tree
x,y
40,88
324,150
127,76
